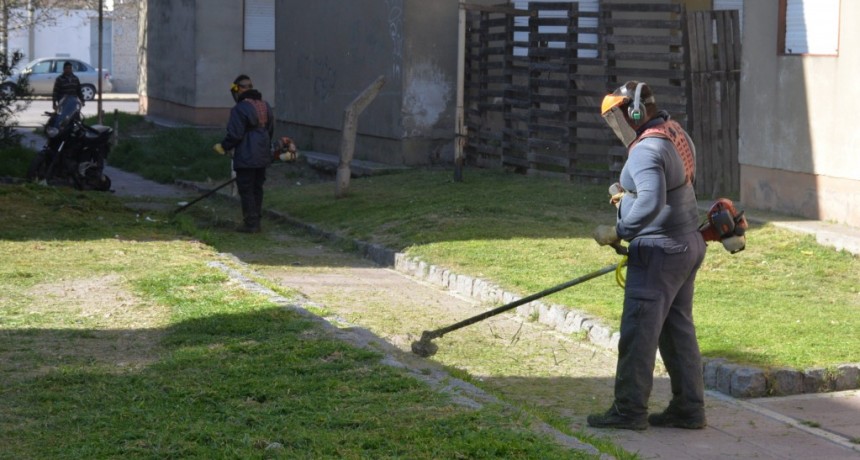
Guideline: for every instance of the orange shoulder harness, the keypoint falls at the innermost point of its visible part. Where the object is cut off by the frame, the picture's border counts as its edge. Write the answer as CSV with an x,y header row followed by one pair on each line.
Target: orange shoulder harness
x,y
672,131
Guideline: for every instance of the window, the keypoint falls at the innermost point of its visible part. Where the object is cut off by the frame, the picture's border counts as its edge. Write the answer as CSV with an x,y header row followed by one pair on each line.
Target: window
x,y
259,25
809,27
78,66
42,67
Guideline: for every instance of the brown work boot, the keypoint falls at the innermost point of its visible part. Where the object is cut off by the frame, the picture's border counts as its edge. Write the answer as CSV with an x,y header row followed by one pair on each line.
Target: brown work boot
x,y
672,419
615,419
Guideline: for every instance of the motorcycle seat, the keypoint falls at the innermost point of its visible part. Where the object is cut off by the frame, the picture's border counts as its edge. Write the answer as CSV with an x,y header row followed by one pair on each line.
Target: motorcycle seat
x,y
96,131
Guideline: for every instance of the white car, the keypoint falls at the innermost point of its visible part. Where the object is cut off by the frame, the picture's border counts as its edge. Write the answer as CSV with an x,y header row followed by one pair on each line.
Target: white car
x,y
41,74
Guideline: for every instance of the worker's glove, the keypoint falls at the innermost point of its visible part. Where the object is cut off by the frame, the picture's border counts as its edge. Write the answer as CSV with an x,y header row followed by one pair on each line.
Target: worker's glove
x,y
606,234
616,193
219,149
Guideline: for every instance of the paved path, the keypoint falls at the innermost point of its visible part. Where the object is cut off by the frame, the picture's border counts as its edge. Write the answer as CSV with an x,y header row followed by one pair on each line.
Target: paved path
x,y
815,426
544,369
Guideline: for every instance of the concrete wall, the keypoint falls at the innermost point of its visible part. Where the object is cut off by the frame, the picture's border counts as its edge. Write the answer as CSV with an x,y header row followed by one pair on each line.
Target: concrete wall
x,y
331,50
169,44
125,71
192,50
797,147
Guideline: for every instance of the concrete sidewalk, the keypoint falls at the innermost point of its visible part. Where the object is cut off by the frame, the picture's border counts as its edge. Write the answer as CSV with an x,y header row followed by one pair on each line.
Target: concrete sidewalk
x,y
819,426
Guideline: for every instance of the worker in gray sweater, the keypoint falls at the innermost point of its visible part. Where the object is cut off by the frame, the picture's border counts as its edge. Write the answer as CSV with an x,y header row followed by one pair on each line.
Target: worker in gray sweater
x,y
657,215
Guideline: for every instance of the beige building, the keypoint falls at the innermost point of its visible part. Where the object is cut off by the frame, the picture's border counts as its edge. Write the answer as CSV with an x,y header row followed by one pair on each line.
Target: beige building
x,y
124,46
796,151
192,51
798,139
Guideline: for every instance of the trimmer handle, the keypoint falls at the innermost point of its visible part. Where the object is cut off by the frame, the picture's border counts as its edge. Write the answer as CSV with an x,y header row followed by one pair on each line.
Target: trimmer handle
x,y
619,249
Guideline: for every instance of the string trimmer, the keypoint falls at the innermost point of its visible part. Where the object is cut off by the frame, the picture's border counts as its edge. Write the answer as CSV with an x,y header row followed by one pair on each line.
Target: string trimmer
x,y
207,194
424,347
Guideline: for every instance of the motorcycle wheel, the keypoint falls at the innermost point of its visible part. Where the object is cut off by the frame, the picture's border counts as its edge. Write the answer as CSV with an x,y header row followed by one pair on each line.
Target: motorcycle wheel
x,y
104,185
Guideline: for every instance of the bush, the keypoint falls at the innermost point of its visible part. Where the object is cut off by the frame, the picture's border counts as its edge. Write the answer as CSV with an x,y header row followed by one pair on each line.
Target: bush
x,y
11,103
14,161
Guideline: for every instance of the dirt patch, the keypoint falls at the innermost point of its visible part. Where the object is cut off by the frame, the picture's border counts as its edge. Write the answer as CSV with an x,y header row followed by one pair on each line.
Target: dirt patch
x,y
103,324
96,303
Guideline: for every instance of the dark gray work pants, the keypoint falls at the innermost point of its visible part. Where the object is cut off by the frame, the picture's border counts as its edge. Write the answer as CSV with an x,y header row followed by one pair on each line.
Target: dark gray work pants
x,y
658,312
249,183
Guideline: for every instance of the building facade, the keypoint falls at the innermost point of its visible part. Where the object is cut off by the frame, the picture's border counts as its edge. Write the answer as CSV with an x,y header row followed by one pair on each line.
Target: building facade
x,y
798,149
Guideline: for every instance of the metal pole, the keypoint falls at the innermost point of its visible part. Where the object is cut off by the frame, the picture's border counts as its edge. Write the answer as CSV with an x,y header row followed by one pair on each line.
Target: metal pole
x,y
31,31
4,24
101,24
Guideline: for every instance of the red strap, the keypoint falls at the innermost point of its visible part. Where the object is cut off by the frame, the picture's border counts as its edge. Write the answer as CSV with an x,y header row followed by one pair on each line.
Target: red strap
x,y
673,131
262,111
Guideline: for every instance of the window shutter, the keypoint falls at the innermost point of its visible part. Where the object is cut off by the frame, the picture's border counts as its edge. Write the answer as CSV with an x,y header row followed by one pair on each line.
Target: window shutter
x,y
259,25
812,27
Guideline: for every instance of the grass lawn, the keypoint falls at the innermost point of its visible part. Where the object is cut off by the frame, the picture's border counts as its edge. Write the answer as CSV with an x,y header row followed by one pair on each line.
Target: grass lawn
x,y
117,339
784,301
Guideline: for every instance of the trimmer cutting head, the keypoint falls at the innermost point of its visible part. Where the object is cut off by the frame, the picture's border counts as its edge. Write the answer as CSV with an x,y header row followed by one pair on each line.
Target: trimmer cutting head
x,y
425,347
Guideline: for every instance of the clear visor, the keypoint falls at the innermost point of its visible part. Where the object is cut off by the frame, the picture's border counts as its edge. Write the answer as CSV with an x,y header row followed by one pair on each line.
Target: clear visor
x,y
614,117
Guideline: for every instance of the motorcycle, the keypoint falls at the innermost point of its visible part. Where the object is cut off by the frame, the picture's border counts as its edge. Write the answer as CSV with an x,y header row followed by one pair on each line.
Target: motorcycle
x,y
74,153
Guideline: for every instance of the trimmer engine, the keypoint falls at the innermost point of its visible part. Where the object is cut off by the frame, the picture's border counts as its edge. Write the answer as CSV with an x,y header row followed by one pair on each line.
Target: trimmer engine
x,y
725,224
284,149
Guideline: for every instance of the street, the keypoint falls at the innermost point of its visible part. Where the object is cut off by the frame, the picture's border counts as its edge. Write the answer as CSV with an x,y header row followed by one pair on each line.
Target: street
x,y
33,116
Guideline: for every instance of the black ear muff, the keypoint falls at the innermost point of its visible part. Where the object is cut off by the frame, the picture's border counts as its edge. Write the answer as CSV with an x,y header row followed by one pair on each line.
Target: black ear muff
x,y
634,110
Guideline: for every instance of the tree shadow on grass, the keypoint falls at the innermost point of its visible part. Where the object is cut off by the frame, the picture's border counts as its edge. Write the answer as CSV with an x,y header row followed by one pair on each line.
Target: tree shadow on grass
x,y
256,385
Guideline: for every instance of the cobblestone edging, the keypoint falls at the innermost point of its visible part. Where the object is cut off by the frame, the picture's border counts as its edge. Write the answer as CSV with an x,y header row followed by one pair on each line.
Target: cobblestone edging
x,y
720,375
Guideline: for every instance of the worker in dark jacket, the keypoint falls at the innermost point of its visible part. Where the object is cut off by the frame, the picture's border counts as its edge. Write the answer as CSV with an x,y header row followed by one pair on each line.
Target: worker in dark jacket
x,y
67,83
657,214
249,136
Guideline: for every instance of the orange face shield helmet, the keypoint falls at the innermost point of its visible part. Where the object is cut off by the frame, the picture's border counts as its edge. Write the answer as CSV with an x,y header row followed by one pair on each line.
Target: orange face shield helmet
x,y
613,112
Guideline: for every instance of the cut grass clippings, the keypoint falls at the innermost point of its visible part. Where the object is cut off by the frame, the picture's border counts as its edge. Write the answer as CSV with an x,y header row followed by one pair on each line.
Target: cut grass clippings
x,y
205,369
784,301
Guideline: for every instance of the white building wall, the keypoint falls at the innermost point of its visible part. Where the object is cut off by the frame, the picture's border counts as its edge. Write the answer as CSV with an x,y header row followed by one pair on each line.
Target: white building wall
x,y
68,36
125,70
798,150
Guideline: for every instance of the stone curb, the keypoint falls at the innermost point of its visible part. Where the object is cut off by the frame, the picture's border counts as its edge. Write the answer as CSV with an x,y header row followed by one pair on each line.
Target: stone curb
x,y
720,375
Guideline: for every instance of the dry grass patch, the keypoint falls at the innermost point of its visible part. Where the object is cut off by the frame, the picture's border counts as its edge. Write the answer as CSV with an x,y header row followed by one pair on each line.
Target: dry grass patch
x,y
93,321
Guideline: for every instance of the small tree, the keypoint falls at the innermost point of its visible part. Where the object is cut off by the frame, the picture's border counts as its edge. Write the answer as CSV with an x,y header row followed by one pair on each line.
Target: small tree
x,y
12,102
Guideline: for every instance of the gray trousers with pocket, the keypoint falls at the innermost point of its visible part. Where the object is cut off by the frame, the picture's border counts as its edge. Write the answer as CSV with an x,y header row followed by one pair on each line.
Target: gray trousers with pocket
x,y
249,182
658,313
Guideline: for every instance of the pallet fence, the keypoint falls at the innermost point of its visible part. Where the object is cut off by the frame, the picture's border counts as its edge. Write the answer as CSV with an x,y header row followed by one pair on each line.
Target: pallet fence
x,y
535,76
715,63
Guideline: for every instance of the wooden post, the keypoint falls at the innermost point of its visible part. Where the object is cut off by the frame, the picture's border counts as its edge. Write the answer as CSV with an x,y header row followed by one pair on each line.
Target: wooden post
x,y
115,138
460,127
350,126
